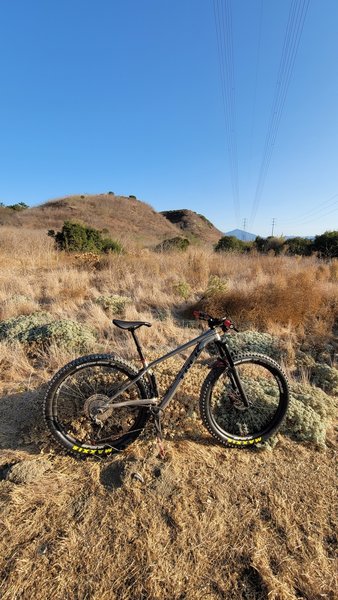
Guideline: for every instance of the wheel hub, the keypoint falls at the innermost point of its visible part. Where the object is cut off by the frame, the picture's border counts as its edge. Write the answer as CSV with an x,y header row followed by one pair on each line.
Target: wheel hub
x,y
94,404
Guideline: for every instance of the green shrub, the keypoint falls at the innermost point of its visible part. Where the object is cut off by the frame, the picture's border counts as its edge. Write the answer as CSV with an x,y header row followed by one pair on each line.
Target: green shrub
x,y
309,415
183,289
216,285
253,341
298,246
41,328
19,206
327,244
175,243
325,377
114,304
75,237
68,334
18,328
229,243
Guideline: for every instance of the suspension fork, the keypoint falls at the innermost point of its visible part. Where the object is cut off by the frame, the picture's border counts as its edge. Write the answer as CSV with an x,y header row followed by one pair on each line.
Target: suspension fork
x,y
232,371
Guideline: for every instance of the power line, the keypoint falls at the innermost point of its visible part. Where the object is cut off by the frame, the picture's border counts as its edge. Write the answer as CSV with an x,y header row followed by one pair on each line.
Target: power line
x,y
223,23
292,38
313,211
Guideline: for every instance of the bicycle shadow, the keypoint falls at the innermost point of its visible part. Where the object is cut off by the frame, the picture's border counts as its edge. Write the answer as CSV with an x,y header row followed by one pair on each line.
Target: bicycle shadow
x,y
21,421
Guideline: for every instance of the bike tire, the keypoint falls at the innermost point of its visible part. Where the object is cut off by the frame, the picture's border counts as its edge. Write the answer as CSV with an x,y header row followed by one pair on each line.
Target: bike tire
x,y
224,414
73,392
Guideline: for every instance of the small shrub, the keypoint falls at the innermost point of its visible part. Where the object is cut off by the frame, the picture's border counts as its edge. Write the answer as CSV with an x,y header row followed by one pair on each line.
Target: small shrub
x,y
40,328
253,341
325,377
114,304
18,328
176,243
309,415
132,197
111,194
19,206
68,334
183,289
216,285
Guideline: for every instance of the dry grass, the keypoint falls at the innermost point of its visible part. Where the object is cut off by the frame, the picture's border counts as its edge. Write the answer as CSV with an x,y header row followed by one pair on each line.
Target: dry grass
x,y
206,522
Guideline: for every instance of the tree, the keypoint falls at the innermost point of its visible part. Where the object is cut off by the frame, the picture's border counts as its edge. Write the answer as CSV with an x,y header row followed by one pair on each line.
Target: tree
x,y
298,246
270,243
326,244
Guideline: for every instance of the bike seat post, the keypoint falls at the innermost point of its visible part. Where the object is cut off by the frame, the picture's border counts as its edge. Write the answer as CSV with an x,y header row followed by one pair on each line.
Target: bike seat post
x,y
139,349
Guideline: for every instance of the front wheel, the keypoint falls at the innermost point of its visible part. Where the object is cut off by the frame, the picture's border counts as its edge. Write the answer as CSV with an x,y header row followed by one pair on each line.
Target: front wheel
x,y
75,395
223,411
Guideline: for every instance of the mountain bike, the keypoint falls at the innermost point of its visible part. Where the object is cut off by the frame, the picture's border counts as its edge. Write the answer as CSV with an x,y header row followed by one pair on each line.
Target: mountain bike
x,y
99,404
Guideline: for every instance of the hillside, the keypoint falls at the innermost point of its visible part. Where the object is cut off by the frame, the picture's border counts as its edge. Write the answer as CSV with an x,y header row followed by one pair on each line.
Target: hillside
x,y
124,218
127,219
193,224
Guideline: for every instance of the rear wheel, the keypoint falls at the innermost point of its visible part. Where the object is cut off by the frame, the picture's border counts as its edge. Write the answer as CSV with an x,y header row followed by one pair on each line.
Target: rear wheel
x,y
223,411
76,394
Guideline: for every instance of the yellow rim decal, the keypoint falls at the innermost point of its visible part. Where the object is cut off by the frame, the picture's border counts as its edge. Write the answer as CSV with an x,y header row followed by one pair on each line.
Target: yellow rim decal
x,y
90,451
244,442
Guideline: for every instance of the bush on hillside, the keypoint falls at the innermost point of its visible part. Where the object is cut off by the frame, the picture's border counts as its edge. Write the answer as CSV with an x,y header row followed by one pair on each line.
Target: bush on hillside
x,y
75,237
175,243
19,206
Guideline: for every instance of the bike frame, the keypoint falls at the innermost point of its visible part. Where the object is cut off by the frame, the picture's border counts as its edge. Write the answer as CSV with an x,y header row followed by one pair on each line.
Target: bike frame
x,y
200,343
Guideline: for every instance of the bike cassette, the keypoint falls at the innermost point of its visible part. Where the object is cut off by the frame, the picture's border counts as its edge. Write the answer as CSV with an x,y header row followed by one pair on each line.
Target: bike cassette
x,y
94,405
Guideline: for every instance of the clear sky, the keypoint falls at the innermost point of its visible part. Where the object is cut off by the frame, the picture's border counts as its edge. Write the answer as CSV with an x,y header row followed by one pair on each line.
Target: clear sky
x,y
126,96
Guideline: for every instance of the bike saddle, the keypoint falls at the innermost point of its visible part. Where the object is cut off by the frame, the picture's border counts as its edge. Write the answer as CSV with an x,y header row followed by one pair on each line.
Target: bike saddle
x,y
130,325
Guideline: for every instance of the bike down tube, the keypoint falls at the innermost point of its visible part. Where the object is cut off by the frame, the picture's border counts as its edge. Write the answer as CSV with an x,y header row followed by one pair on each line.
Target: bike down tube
x,y
201,341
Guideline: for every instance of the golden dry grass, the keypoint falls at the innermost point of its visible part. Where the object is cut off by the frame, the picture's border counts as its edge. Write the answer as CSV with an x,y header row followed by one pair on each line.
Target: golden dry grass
x,y
205,522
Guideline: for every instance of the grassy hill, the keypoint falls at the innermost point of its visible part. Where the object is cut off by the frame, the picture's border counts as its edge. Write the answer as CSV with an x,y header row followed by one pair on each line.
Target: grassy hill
x,y
127,219
124,218
193,225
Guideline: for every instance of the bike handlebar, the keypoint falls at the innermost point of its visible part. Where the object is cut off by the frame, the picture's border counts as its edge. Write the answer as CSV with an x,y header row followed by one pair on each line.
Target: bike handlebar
x,y
224,322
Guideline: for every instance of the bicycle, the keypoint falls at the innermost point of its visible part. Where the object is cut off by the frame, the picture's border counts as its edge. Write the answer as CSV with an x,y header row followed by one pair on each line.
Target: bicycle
x,y
99,404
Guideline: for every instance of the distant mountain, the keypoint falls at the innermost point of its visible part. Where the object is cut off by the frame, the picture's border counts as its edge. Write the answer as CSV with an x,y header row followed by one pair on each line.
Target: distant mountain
x,y
242,235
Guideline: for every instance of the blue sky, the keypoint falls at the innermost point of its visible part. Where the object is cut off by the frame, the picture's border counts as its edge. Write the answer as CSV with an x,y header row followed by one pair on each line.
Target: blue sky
x,y
125,96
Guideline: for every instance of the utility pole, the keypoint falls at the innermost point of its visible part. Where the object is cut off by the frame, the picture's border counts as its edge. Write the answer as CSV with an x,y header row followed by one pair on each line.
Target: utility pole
x,y
273,226
244,227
